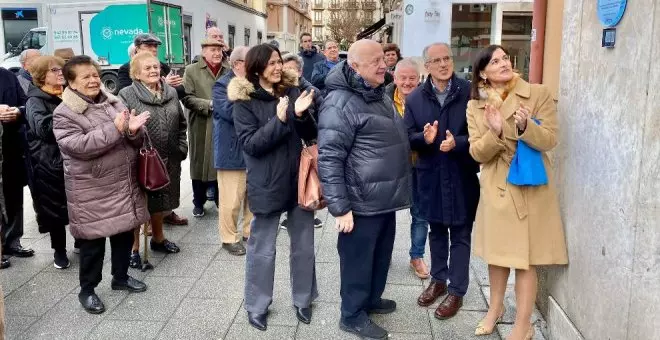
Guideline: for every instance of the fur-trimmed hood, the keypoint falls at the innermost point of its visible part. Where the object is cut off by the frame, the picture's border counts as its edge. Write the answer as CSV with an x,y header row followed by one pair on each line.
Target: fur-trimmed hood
x,y
242,89
79,105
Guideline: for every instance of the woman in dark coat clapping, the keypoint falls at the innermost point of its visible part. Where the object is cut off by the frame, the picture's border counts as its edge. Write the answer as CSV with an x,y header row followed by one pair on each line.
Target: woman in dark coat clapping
x,y
167,130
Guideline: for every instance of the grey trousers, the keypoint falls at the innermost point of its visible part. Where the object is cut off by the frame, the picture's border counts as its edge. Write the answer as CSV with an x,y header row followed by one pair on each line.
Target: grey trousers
x,y
260,262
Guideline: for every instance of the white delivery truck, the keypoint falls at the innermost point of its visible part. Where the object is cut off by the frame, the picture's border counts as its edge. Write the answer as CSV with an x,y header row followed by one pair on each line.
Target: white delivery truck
x,y
103,30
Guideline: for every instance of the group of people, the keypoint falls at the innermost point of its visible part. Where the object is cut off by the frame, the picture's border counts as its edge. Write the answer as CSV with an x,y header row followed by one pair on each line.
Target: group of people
x,y
386,143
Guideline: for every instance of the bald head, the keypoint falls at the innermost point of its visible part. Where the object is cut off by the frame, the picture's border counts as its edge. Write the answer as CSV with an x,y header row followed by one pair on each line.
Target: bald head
x,y
215,33
366,57
27,57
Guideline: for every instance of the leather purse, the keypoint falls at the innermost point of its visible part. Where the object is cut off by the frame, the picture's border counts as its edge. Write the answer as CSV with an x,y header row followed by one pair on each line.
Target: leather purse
x,y
310,196
152,173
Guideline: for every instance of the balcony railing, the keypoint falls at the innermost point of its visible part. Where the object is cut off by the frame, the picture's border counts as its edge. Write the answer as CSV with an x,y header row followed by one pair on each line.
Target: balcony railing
x,y
317,4
351,5
334,5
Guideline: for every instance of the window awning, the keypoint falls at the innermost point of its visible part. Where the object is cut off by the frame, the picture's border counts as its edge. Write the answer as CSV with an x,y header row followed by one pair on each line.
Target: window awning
x,y
369,31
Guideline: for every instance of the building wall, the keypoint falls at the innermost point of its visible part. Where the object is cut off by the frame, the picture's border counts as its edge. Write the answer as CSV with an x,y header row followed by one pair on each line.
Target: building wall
x,y
287,20
608,173
553,39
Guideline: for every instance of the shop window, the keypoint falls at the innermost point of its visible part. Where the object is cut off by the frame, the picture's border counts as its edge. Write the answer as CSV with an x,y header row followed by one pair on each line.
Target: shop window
x,y
470,33
517,39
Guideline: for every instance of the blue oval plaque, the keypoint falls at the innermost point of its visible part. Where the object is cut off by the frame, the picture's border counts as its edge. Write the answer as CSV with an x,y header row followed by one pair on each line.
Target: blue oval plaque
x,y
610,12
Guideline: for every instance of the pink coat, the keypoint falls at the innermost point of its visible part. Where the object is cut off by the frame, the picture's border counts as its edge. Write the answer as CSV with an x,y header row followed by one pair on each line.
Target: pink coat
x,y
100,167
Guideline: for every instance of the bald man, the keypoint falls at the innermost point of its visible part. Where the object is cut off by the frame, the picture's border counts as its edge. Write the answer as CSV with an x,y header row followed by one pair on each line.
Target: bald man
x,y
26,58
364,168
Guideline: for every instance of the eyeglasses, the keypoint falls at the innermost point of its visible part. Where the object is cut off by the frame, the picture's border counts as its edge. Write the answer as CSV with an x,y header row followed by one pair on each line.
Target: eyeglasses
x,y
56,69
446,59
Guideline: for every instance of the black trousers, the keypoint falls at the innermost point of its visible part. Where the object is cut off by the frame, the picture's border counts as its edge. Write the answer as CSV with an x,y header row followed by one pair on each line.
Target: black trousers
x,y
13,230
58,237
457,271
199,192
91,260
364,256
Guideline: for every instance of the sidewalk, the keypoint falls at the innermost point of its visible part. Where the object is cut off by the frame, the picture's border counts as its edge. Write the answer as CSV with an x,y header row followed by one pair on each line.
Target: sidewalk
x,y
197,293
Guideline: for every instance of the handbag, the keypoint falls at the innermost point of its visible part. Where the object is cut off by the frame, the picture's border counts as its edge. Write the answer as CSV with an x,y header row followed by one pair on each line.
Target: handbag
x,y
527,166
152,173
310,196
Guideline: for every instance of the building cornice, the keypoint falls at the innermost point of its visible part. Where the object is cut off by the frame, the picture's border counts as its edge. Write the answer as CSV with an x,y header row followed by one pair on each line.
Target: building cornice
x,y
244,8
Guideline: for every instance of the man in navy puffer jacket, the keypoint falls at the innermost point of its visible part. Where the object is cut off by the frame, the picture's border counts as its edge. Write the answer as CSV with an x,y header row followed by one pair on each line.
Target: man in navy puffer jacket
x,y
365,175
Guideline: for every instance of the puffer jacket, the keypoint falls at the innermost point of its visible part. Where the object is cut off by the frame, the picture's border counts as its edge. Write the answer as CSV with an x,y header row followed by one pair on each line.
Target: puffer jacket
x,y
47,175
100,167
363,148
271,148
310,58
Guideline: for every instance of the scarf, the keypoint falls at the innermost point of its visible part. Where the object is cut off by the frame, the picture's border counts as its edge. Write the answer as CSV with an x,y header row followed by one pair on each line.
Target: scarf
x,y
53,91
156,95
492,96
214,69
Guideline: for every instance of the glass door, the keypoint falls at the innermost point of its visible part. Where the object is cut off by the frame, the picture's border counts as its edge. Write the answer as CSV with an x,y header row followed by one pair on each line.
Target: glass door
x,y
470,32
517,38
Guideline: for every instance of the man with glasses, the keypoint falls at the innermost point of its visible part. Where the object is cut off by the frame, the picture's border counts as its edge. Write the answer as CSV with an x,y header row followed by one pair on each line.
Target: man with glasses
x,y
322,68
309,54
229,162
448,187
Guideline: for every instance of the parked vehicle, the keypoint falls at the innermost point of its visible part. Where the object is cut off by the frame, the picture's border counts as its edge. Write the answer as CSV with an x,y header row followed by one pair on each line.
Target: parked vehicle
x,y
103,30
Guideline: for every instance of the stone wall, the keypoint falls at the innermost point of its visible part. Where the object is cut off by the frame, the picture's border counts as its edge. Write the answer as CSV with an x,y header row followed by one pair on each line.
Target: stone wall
x,y
608,167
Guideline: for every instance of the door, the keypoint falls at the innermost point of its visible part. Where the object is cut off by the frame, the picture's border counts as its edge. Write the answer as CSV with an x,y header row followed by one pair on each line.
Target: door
x,y
166,22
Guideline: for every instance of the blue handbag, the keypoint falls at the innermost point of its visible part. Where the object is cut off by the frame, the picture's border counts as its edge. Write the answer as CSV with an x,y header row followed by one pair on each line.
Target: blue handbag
x,y
527,166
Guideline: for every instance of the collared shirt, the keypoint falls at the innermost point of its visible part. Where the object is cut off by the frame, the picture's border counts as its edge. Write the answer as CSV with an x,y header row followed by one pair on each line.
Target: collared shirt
x,y
441,95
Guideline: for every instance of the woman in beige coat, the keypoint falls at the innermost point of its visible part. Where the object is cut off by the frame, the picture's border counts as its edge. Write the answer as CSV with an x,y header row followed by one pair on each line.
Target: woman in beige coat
x,y
516,226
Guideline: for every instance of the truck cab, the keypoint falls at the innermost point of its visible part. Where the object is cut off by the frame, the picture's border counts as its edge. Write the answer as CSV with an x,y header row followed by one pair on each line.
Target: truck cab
x,y
36,39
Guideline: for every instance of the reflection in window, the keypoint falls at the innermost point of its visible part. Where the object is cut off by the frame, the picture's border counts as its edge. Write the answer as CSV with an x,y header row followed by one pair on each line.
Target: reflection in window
x,y
470,32
516,37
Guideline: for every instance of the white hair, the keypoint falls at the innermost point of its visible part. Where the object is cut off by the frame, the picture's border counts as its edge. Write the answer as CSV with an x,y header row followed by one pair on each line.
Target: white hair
x,y
237,54
24,54
354,50
131,50
406,63
293,57
425,52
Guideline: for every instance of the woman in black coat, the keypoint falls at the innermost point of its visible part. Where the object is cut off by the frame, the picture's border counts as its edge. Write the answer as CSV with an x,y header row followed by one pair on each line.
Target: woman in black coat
x,y
47,182
270,127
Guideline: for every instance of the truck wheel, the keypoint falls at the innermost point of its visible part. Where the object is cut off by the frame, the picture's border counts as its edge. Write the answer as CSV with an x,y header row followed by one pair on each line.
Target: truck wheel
x,y
110,81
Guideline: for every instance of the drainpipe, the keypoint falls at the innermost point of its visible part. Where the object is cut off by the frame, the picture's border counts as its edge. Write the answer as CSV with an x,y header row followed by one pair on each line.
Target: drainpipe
x,y
538,42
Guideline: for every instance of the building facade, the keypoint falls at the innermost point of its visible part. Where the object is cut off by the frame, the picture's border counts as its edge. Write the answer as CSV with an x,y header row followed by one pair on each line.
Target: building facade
x,y
323,10
287,19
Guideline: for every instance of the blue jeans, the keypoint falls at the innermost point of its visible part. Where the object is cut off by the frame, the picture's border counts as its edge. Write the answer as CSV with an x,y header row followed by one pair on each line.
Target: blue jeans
x,y
419,228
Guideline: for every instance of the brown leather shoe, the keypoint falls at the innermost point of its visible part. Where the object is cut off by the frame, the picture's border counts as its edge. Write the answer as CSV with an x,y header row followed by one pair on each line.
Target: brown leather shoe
x,y
432,293
420,268
174,219
448,307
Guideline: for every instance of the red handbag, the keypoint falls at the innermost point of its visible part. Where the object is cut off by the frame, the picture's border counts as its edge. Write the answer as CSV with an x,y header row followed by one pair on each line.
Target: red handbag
x,y
152,173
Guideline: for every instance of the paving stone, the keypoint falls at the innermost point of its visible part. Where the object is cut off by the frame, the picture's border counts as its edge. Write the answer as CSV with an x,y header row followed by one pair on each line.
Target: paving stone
x,y
67,320
281,310
400,271
194,308
504,329
324,325
481,272
193,329
329,284
126,329
13,279
239,331
40,294
34,264
221,280
158,303
191,261
408,317
461,326
15,325
510,305
472,301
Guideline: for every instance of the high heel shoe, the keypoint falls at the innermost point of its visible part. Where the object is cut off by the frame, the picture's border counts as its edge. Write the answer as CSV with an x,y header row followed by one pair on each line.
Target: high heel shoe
x,y
481,328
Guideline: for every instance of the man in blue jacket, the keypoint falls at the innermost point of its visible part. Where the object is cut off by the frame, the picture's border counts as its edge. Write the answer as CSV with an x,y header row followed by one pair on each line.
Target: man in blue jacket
x,y
228,159
322,68
448,189
309,54
364,167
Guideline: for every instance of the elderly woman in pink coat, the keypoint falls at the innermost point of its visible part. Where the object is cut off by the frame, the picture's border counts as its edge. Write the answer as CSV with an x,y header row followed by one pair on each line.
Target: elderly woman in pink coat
x,y
99,140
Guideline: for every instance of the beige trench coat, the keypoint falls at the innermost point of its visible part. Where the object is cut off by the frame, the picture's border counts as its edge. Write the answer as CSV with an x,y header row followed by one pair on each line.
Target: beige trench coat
x,y
198,83
516,226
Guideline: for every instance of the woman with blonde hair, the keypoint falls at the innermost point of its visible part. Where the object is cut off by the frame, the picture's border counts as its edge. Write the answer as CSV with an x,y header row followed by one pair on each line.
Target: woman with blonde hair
x,y
167,130
44,157
517,225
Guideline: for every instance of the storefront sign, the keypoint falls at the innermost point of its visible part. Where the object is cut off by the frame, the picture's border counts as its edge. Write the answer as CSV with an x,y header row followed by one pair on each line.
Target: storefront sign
x,y
610,12
432,15
19,14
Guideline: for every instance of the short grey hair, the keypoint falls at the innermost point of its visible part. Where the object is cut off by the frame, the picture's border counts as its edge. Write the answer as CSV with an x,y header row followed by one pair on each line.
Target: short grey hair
x,y
24,54
237,54
293,57
425,52
406,62
131,50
